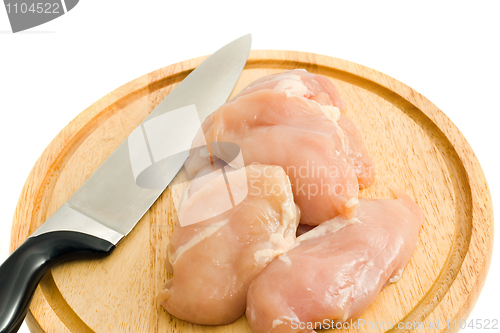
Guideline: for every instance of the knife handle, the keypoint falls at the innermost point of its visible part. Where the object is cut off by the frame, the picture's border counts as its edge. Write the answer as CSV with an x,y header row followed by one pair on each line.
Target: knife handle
x,y
23,270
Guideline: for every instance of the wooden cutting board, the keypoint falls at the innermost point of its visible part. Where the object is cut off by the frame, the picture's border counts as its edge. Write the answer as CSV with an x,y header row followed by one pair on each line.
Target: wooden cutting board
x,y
415,148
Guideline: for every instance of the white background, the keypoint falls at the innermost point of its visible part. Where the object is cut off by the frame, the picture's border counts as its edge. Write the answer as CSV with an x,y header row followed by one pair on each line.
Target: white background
x,y
448,51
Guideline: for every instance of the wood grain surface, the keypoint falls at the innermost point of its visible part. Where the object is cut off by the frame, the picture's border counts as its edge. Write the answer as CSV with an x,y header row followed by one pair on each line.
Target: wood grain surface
x,y
415,148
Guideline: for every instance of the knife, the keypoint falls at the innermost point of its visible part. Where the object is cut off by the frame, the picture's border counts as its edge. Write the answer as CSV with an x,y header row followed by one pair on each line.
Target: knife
x,y
112,200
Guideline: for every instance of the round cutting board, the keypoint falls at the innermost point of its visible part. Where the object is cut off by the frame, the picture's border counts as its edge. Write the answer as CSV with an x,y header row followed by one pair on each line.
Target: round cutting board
x,y
413,144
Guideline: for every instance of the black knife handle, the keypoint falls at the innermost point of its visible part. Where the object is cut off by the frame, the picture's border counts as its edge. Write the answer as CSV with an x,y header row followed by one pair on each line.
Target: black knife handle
x,y
23,270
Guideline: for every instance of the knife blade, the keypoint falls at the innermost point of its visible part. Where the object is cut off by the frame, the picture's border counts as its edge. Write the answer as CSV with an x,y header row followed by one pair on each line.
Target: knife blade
x,y
112,200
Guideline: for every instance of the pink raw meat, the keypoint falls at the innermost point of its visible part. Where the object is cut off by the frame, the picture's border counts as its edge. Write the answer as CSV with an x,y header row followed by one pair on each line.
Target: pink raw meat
x,y
215,260
337,269
293,120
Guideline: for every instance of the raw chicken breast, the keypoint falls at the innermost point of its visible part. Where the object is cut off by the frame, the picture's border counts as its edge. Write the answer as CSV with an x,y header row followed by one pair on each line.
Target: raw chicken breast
x,y
293,133
337,269
293,120
318,88
215,260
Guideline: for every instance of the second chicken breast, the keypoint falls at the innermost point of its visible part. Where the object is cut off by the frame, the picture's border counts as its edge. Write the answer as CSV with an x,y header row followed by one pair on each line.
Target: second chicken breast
x,y
216,254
